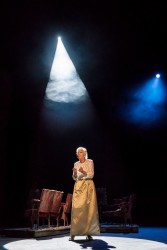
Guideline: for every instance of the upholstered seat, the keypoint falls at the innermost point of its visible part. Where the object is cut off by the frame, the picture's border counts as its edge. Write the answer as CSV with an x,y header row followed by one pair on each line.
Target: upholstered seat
x,y
66,209
55,210
40,208
120,210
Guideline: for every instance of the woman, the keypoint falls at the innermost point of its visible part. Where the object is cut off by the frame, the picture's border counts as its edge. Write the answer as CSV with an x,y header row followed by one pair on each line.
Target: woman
x,y
84,213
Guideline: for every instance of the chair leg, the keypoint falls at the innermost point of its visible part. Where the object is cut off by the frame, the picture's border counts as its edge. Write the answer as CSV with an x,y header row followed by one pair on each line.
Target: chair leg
x,y
48,220
64,220
67,219
38,222
31,222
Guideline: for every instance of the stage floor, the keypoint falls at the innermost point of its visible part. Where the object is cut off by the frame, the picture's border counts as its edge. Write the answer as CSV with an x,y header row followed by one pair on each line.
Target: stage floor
x,y
145,239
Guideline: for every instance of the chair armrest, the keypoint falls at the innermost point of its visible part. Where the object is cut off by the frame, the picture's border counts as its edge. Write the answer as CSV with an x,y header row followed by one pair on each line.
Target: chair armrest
x,y
35,203
35,200
109,207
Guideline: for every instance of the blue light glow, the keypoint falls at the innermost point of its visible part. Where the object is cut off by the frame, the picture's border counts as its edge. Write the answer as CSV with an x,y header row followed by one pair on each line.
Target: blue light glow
x,y
147,104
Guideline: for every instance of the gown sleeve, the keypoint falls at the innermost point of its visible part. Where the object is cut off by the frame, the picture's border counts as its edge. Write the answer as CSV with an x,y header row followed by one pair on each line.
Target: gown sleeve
x,y
73,174
90,170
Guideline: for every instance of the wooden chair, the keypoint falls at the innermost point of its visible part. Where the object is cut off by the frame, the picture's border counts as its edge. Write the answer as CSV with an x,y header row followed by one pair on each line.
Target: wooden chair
x,y
56,208
66,209
120,210
43,209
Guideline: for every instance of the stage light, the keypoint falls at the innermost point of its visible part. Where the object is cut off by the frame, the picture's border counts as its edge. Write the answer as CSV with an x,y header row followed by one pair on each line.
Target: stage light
x,y
147,104
64,83
157,75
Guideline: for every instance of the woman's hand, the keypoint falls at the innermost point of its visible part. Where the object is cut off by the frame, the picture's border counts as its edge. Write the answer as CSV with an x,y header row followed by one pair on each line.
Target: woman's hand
x,y
81,170
74,172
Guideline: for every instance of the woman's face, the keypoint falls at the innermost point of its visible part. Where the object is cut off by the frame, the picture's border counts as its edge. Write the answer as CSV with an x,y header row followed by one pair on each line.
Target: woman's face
x,y
81,154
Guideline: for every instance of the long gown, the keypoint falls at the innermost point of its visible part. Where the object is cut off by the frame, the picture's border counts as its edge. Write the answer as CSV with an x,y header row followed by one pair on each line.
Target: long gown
x,y
84,213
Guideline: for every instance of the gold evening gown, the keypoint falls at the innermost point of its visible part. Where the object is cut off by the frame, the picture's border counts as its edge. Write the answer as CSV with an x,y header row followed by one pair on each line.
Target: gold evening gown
x,y
84,213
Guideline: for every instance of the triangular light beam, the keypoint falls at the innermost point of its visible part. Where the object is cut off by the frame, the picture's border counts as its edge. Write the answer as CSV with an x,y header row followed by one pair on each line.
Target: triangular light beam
x,y
64,83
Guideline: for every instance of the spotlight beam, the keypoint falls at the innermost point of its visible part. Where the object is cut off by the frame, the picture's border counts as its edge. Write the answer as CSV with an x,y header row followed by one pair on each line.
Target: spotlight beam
x,y
64,83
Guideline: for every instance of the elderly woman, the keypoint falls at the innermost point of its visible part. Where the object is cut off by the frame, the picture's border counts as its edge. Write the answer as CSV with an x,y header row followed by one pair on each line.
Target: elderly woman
x,y
84,214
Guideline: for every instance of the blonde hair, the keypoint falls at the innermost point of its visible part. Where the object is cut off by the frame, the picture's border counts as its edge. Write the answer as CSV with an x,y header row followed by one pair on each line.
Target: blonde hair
x,y
84,149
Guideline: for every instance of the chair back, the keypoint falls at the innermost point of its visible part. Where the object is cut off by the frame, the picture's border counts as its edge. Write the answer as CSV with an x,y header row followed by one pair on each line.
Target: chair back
x,y
45,201
101,196
68,203
131,202
56,202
